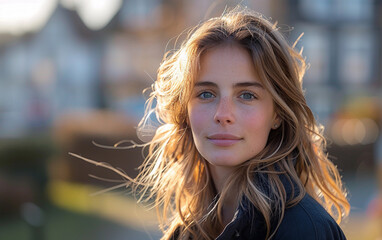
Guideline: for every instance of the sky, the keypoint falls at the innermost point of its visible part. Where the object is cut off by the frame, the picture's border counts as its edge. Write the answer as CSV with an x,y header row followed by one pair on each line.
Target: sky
x,y
18,17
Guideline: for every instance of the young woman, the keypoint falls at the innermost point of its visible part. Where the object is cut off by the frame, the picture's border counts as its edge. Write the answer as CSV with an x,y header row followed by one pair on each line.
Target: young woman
x,y
238,154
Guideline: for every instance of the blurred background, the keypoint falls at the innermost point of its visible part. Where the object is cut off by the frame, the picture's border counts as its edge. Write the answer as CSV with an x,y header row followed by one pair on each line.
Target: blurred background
x,y
72,72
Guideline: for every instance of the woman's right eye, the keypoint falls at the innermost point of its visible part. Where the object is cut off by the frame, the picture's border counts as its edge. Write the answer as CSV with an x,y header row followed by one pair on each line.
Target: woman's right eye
x,y
205,95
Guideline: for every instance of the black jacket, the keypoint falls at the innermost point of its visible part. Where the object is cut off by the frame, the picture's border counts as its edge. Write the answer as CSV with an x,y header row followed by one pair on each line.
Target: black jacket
x,y
305,220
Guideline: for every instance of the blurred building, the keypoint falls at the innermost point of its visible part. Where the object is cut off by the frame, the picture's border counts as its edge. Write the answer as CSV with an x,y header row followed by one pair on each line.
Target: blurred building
x,y
89,55
342,44
81,58
343,85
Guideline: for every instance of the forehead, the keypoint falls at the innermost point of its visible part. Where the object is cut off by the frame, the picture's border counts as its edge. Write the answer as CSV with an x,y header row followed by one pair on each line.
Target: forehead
x,y
228,63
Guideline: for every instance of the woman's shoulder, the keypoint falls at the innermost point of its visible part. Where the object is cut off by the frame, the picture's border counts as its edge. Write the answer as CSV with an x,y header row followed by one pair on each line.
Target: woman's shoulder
x,y
308,219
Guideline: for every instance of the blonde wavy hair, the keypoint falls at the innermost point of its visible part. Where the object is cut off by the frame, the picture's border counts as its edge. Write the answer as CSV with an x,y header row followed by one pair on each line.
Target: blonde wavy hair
x,y
177,176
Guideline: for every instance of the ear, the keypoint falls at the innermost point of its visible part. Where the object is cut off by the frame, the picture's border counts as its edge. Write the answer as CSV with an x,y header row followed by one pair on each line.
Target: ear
x,y
276,122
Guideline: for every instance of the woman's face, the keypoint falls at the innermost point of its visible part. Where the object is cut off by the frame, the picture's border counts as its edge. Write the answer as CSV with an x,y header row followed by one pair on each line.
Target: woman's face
x,y
230,111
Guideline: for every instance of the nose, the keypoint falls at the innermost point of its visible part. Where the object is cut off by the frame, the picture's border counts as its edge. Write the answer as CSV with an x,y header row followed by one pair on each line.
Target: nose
x,y
225,112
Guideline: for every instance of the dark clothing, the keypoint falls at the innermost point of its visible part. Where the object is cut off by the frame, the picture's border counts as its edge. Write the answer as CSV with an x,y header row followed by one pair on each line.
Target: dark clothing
x,y
306,220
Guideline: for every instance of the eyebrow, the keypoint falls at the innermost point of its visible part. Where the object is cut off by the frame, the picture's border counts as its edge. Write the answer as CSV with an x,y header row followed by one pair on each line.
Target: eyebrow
x,y
236,85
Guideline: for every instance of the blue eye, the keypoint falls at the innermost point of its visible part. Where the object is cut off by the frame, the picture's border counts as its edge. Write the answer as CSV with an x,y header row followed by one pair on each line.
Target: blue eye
x,y
205,95
247,96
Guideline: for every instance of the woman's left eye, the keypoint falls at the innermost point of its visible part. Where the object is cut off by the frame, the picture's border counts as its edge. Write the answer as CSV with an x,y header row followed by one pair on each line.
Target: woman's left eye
x,y
247,96
205,95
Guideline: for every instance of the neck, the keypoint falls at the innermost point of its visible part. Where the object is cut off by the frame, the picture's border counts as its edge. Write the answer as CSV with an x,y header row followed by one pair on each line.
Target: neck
x,y
219,176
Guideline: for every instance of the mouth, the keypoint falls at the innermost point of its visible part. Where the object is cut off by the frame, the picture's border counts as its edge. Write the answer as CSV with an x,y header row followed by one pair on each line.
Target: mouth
x,y
224,140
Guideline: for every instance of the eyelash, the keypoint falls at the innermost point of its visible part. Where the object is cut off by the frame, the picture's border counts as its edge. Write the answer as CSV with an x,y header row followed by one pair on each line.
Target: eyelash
x,y
205,92
252,96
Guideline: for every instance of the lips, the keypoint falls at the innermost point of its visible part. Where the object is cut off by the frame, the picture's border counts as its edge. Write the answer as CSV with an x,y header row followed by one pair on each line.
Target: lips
x,y
223,140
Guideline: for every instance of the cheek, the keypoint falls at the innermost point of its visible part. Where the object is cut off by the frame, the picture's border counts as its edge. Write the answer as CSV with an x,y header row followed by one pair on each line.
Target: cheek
x,y
197,118
258,125
256,116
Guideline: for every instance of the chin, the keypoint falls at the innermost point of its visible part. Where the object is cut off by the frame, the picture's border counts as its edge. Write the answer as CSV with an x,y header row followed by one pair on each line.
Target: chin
x,y
224,161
